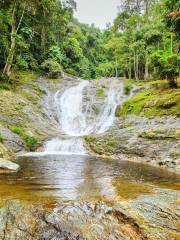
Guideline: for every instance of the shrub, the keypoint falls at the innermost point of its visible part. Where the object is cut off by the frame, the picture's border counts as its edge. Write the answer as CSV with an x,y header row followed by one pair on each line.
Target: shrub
x,y
1,139
52,68
21,63
55,54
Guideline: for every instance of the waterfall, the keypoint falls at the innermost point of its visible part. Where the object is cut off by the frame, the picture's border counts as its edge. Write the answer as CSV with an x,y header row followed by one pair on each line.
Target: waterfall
x,y
76,115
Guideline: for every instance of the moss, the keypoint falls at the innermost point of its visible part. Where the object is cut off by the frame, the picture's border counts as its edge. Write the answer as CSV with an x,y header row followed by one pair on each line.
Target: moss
x,y
23,77
153,83
100,92
153,102
160,135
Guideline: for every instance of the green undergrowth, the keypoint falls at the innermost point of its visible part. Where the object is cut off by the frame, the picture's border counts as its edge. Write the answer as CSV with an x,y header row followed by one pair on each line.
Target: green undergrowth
x,y
153,102
23,77
28,139
5,86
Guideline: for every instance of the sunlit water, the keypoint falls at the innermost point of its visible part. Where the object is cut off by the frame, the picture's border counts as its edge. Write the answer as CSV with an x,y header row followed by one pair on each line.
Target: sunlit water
x,y
73,177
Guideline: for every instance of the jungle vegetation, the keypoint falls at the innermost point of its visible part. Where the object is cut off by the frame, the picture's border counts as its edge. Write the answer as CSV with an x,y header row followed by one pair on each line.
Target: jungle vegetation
x,y
43,36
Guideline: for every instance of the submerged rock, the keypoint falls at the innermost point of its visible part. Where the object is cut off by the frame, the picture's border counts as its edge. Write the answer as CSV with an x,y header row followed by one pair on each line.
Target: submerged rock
x,y
8,165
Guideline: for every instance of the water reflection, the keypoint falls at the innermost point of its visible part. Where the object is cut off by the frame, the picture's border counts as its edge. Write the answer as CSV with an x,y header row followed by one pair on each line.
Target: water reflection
x,y
73,177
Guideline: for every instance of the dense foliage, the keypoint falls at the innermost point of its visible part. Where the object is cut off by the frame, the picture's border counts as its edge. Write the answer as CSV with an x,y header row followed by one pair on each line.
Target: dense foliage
x,y
144,40
44,33
44,36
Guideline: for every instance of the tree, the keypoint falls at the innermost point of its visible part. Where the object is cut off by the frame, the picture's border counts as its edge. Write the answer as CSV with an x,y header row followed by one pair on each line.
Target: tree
x,y
18,10
167,66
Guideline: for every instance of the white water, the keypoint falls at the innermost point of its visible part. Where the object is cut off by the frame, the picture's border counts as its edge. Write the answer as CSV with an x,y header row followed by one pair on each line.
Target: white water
x,y
76,117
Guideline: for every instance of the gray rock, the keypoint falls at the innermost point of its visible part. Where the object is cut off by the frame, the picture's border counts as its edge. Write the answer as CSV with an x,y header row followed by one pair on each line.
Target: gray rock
x,y
8,165
11,140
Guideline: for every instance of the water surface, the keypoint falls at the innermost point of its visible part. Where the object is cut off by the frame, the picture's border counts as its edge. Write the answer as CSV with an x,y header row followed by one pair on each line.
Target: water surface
x,y
73,177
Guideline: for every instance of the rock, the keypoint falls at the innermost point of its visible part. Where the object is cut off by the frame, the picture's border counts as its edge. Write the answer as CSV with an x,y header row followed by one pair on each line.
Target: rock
x,y
140,139
71,221
8,165
11,140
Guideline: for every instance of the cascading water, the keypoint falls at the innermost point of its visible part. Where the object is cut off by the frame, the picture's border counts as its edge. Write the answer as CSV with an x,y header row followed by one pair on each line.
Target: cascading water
x,y
77,117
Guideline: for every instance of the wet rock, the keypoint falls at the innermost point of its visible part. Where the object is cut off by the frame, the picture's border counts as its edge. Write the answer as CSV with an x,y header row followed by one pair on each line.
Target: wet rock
x,y
71,221
157,214
8,165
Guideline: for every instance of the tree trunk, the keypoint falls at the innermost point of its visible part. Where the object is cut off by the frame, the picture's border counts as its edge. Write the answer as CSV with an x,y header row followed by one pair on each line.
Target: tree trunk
x,y
116,67
137,67
15,28
146,68
43,35
130,72
135,73
9,60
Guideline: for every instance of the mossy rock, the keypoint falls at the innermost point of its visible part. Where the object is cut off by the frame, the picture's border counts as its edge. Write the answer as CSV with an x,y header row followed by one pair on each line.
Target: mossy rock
x,y
152,102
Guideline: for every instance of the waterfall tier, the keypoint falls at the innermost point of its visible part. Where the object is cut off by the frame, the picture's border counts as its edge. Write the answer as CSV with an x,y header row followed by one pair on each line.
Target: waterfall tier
x,y
87,108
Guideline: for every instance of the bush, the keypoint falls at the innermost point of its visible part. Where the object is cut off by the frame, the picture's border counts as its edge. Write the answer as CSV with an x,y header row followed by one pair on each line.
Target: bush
x,y
55,54
21,63
52,68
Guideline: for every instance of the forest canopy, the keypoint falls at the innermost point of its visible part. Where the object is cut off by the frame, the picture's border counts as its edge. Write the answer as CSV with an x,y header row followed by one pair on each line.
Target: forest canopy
x,y
43,36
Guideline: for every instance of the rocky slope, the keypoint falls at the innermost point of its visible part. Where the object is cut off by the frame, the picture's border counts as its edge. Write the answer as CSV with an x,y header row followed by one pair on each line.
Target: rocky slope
x,y
154,141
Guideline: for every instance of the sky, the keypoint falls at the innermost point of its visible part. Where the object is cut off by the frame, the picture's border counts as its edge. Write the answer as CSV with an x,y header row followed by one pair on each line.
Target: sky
x,y
98,12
